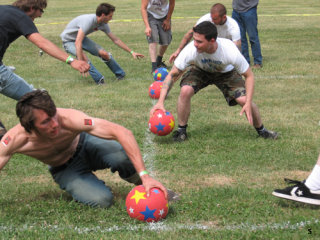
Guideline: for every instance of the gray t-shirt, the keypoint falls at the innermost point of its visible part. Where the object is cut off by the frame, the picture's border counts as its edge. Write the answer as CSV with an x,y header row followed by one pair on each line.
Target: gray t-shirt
x,y
244,5
87,23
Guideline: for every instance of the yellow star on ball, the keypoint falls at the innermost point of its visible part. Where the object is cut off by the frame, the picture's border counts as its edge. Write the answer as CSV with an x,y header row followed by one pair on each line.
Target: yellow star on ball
x,y
138,196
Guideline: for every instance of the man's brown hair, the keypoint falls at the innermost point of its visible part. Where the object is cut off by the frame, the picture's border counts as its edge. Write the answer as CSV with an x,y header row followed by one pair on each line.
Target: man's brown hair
x,y
38,99
105,8
26,5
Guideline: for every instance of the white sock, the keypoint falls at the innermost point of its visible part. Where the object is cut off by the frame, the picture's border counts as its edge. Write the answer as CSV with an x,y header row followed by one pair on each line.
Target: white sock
x,y
313,181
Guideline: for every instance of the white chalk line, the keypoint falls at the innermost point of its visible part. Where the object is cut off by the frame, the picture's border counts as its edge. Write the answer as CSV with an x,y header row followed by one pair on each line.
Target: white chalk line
x,y
287,76
163,227
149,151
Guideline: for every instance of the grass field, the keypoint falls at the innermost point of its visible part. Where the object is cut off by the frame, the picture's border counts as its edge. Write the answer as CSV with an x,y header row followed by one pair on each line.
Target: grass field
x,y
224,173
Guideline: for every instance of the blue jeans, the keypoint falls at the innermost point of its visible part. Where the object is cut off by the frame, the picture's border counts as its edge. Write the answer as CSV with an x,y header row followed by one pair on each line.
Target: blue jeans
x,y
93,154
248,22
11,85
93,48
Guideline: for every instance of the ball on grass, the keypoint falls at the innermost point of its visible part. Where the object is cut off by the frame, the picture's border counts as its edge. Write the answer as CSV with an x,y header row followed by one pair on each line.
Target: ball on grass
x,y
146,209
160,74
155,89
161,123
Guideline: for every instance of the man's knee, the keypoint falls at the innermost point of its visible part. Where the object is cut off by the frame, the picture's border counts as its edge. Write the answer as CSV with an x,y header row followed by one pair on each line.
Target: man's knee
x,y
186,92
105,55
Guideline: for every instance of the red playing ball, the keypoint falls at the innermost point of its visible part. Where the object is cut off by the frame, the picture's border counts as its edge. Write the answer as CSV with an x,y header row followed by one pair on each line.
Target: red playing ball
x,y
146,209
161,123
155,89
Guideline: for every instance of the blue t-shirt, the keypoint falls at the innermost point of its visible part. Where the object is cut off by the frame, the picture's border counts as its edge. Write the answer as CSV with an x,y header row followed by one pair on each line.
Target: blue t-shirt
x,y
13,24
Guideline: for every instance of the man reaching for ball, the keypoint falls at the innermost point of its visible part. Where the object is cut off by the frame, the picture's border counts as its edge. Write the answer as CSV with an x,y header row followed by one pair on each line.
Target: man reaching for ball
x,y
74,144
212,60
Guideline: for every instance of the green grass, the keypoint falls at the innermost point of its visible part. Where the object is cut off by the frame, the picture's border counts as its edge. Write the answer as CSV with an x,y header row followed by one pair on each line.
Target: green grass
x,y
224,172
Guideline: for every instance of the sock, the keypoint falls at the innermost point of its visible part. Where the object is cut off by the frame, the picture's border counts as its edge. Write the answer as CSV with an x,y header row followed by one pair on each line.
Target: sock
x,y
159,60
154,66
260,129
313,181
182,128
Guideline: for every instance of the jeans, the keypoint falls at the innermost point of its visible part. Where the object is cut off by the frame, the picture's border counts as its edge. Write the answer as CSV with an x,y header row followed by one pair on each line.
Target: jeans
x,y
93,154
11,85
248,22
93,48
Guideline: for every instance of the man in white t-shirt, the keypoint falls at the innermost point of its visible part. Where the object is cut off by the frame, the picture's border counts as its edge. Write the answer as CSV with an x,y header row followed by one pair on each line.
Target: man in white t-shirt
x,y
212,60
75,40
227,28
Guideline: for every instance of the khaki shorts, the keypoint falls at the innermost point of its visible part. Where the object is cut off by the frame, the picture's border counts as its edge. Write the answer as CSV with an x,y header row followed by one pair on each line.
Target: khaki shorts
x,y
158,35
230,83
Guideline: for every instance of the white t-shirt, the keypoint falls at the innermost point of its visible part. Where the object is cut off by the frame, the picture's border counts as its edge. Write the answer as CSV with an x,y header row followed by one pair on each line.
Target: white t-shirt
x,y
224,59
87,23
230,29
158,8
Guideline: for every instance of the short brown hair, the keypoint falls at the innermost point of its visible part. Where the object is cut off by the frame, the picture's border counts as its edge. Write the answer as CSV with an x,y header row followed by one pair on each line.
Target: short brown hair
x,y
26,5
37,99
220,8
105,8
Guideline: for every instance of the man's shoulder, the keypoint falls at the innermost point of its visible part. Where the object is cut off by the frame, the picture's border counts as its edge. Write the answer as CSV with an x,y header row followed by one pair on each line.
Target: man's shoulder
x,y
15,138
231,22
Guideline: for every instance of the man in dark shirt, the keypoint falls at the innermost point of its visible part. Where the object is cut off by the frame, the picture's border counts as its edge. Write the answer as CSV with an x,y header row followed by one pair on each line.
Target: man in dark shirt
x,y
17,20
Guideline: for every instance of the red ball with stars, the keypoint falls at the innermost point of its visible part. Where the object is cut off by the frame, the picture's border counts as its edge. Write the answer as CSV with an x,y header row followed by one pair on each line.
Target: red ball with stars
x,y
146,209
161,123
155,89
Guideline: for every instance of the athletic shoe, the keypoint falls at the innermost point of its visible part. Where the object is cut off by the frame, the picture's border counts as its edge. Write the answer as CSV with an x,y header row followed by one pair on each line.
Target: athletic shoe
x,y
268,134
2,130
162,64
299,192
179,136
121,77
101,81
172,196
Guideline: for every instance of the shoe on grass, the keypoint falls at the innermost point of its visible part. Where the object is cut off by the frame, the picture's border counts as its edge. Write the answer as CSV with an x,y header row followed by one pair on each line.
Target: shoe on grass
x,y
179,136
268,134
298,192
172,196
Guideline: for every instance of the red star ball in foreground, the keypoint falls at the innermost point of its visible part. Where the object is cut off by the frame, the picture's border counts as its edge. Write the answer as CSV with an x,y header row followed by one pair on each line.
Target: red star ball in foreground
x,y
146,209
161,123
155,89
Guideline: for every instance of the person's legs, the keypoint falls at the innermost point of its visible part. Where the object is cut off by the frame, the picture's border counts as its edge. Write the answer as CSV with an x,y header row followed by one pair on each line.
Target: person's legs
x,y
153,41
251,22
70,47
93,154
11,85
243,32
232,86
108,59
165,38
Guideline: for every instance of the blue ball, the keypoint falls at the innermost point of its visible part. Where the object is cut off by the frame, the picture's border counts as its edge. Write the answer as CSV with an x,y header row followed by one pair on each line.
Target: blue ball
x,y
160,74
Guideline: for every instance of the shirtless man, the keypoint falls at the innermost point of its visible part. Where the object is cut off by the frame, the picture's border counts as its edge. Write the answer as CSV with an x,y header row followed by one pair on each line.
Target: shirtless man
x,y
74,144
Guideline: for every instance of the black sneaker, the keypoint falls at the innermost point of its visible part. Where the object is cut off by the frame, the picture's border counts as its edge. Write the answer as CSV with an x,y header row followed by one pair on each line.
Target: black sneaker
x,y
2,130
161,64
299,192
172,196
179,136
268,134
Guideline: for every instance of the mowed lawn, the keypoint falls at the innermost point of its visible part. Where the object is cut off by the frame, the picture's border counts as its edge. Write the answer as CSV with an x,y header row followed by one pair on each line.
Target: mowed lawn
x,y
224,172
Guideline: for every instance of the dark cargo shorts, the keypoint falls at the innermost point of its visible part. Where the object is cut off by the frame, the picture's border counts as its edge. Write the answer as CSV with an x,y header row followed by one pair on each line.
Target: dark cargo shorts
x,y
230,83
158,34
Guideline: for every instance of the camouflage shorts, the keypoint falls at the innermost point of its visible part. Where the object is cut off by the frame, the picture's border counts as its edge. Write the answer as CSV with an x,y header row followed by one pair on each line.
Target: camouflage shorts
x,y
230,84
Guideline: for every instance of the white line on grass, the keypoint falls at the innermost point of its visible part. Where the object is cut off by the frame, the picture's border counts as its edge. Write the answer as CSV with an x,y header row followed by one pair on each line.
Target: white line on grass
x,y
163,227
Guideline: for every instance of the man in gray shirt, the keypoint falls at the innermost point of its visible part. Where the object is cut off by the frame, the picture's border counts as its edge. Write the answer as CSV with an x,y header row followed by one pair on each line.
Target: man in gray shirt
x,y
75,40
245,13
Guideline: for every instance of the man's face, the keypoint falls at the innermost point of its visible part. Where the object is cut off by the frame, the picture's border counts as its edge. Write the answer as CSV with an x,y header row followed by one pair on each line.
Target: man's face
x,y
201,43
35,13
217,19
107,18
46,126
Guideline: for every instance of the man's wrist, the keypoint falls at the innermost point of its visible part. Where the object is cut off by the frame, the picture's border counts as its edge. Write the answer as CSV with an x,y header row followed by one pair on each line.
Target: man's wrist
x,y
144,172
